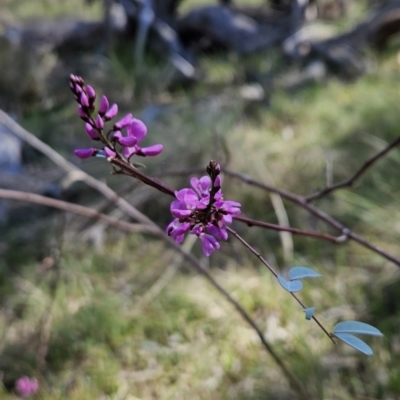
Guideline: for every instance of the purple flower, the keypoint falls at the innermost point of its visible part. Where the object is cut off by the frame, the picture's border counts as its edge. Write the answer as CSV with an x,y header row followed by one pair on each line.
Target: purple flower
x,y
123,123
178,230
209,244
115,142
202,211
26,387
138,130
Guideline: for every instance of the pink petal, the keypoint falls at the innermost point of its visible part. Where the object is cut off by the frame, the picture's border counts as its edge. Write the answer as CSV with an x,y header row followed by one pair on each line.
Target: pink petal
x,y
137,128
128,141
209,244
151,151
124,122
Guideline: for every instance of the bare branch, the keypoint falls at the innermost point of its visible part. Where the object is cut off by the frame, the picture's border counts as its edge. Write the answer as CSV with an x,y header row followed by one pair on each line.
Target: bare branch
x,y
295,231
77,209
349,182
303,203
264,261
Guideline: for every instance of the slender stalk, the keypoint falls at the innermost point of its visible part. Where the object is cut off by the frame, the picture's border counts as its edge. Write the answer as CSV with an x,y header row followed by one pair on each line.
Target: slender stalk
x,y
130,170
295,231
264,261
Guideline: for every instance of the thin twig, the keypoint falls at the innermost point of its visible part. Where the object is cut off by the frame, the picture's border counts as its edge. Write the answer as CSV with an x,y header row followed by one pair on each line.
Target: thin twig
x,y
74,172
264,261
76,209
295,231
102,209
349,182
303,203
130,170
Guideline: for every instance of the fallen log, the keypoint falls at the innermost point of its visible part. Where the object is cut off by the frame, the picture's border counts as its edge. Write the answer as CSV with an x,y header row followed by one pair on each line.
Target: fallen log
x,y
344,53
230,29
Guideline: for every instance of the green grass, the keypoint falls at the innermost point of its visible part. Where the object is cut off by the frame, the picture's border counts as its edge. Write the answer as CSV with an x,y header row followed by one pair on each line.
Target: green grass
x,y
23,9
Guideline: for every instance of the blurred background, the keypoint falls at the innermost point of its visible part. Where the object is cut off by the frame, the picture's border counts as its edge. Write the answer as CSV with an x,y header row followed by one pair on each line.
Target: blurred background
x,y
297,94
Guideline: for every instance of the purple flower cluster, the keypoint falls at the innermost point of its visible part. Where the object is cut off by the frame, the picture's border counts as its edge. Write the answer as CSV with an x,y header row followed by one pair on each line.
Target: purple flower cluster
x,y
26,387
202,211
122,139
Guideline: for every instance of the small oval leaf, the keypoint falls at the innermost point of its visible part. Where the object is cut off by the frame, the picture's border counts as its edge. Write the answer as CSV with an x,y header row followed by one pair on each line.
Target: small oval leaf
x,y
302,272
291,286
356,327
309,312
355,342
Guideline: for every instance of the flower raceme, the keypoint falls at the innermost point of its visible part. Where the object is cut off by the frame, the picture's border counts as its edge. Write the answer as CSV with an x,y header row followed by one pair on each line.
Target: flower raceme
x,y
120,141
26,387
202,211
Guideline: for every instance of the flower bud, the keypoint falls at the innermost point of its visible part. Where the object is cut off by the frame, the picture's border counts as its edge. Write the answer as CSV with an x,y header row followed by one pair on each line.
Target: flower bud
x,y
91,132
85,153
82,113
103,105
84,100
99,123
91,93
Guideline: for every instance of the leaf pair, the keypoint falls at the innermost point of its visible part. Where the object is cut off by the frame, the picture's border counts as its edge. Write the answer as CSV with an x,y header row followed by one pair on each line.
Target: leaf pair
x,y
344,330
296,273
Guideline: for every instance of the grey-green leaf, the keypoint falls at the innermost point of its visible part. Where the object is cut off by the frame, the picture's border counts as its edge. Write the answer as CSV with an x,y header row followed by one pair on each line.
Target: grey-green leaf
x,y
290,286
356,327
354,342
302,272
309,312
